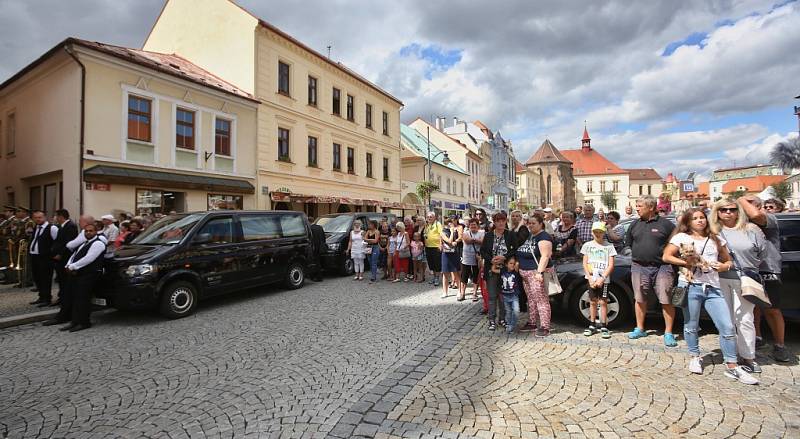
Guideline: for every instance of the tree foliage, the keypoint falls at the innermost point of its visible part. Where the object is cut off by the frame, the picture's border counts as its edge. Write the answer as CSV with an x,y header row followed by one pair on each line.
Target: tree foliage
x,y
609,199
786,154
783,190
425,189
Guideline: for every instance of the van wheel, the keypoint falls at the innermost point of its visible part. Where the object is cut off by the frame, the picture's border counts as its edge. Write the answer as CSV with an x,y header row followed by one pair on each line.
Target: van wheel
x,y
295,276
179,299
619,309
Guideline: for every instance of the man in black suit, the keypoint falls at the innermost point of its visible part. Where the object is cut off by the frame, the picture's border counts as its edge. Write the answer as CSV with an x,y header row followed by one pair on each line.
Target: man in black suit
x,y
67,231
318,245
39,249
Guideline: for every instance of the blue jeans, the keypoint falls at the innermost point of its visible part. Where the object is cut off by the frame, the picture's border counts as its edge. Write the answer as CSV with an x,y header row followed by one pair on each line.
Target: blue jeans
x,y
717,309
511,304
373,261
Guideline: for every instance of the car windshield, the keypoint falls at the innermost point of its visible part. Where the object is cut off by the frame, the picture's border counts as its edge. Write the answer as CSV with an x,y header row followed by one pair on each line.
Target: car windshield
x,y
169,230
335,224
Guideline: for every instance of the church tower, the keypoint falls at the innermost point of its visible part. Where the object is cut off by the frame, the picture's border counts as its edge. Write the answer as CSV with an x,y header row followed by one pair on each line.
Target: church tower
x,y
550,180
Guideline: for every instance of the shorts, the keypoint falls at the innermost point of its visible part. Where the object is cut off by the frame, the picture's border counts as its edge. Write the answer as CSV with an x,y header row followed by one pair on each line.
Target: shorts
x,y
419,258
772,286
656,280
469,272
599,293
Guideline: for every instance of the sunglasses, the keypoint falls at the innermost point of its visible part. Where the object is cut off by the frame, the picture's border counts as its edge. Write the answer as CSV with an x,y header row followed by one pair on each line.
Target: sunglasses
x,y
729,210
770,207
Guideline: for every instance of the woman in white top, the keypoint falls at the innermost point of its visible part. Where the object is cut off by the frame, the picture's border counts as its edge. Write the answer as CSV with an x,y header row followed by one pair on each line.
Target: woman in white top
x,y
356,249
710,257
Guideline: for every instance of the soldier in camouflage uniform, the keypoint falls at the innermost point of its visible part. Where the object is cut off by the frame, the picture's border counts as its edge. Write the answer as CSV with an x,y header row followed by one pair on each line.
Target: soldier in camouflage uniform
x,y
20,230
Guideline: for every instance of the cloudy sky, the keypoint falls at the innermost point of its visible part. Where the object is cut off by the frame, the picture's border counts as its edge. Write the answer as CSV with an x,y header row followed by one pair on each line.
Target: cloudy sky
x,y
675,85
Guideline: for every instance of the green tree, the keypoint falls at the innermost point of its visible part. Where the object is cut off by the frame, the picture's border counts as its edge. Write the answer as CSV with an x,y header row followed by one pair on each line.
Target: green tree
x,y
609,199
783,190
425,189
736,194
786,154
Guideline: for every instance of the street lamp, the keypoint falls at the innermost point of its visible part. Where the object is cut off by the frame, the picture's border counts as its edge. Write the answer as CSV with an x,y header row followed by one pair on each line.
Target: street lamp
x,y
445,160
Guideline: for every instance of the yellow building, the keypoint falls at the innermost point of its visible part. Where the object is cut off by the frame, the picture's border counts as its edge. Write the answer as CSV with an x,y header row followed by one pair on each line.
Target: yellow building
x,y
644,181
328,139
102,129
451,178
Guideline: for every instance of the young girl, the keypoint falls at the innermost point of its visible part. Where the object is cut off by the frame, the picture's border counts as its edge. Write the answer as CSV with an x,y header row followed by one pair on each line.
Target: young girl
x,y
390,255
418,257
401,252
356,249
598,263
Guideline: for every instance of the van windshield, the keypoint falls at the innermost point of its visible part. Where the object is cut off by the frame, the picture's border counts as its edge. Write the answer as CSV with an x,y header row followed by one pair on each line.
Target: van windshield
x,y
335,224
169,230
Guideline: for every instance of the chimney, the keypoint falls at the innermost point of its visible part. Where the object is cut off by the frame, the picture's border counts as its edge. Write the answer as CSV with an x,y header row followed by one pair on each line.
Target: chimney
x,y
437,124
455,121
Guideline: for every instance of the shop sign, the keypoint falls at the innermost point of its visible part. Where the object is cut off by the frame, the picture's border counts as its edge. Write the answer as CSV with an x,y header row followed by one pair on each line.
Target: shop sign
x,y
436,203
455,206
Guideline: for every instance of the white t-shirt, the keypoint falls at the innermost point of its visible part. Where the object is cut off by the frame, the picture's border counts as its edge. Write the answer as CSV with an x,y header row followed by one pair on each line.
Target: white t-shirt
x,y
710,254
599,257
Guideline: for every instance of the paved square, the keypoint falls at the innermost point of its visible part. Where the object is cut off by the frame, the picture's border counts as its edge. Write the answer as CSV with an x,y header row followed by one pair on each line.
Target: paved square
x,y
343,359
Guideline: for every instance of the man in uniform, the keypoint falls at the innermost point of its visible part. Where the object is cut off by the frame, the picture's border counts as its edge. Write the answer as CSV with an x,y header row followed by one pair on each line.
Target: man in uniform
x,y
21,228
5,226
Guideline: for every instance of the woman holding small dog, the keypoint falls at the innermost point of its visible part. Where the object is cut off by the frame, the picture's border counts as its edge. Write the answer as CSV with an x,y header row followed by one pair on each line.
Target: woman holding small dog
x,y
702,255
747,245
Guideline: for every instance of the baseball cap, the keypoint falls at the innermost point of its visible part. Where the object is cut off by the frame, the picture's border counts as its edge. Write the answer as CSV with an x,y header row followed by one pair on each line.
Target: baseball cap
x,y
107,217
547,209
599,225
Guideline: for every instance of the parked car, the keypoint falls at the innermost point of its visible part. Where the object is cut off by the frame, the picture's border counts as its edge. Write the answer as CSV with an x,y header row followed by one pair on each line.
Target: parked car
x,y
575,298
184,258
337,228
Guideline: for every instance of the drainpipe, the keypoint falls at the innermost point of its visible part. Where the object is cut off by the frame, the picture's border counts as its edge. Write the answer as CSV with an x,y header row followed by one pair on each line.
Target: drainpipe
x,y
83,124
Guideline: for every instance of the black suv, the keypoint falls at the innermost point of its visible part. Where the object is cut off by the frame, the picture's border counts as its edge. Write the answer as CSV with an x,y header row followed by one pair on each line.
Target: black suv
x,y
183,258
575,298
337,228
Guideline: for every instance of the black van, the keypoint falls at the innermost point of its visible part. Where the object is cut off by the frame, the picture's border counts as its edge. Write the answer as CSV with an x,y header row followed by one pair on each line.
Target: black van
x,y
183,258
337,228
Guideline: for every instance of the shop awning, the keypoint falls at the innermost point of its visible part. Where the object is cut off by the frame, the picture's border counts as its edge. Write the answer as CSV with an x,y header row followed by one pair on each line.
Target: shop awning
x,y
145,177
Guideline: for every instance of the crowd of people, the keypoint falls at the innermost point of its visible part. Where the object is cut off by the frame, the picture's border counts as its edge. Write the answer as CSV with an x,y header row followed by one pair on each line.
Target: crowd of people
x,y
723,258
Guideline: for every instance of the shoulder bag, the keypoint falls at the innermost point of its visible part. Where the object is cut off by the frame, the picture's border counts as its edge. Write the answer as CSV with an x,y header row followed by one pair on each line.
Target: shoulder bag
x,y
550,278
752,282
405,252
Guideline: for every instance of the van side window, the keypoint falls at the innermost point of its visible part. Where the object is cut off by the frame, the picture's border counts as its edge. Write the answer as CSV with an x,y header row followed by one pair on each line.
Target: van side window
x,y
790,235
217,230
293,225
260,227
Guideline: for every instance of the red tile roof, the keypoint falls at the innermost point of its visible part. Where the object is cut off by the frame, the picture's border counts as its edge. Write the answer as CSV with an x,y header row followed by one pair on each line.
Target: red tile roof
x,y
643,174
518,166
702,191
751,184
547,153
172,65
587,161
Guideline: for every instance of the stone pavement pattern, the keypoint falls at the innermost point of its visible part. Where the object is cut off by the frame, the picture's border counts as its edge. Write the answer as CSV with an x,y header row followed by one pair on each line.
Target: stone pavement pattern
x,y
342,359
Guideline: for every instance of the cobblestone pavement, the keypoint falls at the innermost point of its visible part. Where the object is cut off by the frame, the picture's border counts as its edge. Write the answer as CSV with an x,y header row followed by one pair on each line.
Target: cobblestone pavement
x,y
15,301
343,359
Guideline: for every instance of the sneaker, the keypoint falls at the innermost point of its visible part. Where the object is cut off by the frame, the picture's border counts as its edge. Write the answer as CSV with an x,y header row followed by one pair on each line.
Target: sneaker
x,y
669,340
502,323
779,353
492,327
750,366
696,365
590,331
605,333
528,327
738,373
759,343
637,333
541,332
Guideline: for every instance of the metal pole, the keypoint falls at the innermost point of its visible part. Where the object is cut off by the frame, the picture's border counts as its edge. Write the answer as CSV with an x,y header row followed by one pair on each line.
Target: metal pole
x,y
430,169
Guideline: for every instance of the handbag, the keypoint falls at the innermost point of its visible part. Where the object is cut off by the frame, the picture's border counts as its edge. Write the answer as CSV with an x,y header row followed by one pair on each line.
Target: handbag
x,y
404,252
752,283
550,278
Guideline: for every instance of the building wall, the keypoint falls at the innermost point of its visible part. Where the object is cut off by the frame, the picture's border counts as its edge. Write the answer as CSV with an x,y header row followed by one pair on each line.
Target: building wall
x,y
585,196
414,170
644,187
46,108
216,35
303,120
562,185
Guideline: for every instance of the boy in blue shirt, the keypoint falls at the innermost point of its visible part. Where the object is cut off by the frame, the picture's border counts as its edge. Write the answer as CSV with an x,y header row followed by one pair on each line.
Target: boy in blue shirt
x,y
511,287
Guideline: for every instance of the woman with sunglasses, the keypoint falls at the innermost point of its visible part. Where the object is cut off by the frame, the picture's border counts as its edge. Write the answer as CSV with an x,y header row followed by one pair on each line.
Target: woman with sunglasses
x,y
710,258
747,245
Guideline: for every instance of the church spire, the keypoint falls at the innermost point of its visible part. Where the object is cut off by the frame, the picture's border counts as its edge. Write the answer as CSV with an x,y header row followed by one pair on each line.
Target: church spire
x,y
586,142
